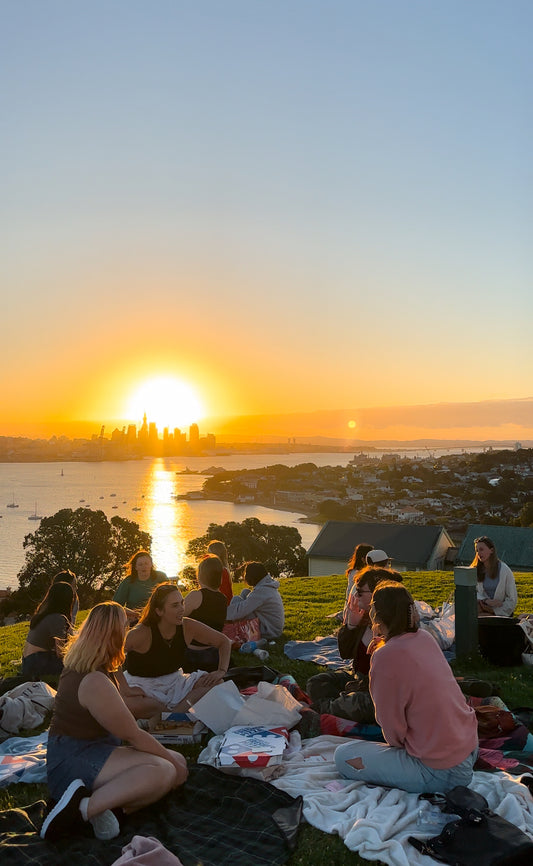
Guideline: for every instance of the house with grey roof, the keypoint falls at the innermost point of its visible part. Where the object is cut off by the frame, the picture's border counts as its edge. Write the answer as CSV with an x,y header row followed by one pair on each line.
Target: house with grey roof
x,y
411,548
514,545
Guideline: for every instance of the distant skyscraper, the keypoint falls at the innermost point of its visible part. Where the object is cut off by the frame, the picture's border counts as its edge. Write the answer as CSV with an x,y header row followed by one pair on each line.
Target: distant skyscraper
x,y
143,432
194,435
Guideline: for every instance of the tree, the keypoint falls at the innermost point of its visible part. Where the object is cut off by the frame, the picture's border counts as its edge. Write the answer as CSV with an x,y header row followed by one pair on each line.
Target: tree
x,y
278,547
87,543
525,517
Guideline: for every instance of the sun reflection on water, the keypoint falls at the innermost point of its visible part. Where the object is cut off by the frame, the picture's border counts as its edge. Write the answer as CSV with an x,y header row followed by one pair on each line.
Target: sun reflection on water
x,y
162,521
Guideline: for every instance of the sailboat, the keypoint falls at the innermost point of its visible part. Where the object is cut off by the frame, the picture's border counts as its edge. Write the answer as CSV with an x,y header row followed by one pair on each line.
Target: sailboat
x,y
12,504
35,516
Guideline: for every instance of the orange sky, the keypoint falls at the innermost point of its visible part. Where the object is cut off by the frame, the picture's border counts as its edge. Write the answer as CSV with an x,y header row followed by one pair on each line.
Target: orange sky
x,y
346,227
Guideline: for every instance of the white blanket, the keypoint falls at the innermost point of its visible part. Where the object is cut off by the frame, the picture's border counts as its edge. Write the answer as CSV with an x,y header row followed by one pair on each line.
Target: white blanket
x,y
169,689
375,821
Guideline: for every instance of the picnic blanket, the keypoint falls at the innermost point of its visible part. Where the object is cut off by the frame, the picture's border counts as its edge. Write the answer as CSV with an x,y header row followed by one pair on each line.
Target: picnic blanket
x,y
23,759
512,751
213,819
321,650
325,651
376,821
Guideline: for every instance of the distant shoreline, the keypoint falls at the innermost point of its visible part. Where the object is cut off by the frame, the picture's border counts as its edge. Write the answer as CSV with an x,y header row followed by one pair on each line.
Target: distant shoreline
x,y
273,450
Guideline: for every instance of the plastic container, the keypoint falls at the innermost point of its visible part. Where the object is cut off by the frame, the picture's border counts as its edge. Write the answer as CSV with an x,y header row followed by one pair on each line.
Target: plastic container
x,y
261,654
431,819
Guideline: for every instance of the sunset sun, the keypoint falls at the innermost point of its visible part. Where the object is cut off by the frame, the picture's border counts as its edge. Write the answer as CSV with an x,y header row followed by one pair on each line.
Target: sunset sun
x,y
168,401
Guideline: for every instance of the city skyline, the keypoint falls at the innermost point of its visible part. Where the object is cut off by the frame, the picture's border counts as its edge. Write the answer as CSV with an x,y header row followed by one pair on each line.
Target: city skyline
x,y
303,217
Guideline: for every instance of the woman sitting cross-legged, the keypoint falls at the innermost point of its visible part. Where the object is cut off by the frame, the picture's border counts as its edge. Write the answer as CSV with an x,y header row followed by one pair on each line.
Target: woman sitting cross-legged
x,y
430,731
89,771
156,651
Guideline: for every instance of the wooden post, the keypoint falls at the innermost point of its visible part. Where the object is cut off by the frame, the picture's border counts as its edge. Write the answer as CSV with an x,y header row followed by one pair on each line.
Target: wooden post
x,y
466,628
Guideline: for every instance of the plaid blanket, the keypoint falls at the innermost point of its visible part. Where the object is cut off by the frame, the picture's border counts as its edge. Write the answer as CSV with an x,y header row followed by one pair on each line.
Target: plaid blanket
x,y
215,819
512,752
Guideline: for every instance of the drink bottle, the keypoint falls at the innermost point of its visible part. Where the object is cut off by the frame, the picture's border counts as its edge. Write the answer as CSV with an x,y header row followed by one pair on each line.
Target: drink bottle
x,y
261,654
251,645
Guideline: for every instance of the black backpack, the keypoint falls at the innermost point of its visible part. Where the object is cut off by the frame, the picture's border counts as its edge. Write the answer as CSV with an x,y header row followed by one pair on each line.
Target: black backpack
x,y
501,640
478,837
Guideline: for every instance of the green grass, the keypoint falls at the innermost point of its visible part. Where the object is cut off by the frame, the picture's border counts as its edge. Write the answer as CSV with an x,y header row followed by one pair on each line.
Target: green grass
x,y
308,601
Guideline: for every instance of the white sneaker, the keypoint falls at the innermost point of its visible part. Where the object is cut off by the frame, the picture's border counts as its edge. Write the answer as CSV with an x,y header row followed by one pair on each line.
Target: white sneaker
x,y
105,825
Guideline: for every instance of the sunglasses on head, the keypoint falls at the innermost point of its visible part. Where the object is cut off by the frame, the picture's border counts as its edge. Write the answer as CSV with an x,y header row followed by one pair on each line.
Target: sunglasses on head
x,y
484,540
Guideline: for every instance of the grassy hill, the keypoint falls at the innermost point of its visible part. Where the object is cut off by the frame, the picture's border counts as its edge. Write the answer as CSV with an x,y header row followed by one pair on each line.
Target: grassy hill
x,y
308,601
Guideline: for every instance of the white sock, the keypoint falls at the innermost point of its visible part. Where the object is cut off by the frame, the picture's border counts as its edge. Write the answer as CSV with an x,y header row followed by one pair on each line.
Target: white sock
x,y
84,805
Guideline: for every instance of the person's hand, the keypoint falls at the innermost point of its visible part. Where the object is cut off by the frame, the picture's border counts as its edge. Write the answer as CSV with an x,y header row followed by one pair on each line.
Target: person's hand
x,y
211,679
374,644
180,764
489,604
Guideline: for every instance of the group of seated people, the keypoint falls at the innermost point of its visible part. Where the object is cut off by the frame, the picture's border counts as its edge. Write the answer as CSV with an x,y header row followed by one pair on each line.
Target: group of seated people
x,y
212,603
99,759
401,679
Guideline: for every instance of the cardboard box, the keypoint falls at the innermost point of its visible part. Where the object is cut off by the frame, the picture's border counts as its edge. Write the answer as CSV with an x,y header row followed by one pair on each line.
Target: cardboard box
x,y
177,729
252,747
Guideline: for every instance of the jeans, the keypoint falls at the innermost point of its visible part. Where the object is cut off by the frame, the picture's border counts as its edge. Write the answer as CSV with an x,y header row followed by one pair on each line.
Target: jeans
x,y
395,768
41,664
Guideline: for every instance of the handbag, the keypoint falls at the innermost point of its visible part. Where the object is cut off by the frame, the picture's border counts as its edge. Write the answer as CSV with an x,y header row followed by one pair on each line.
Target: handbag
x,y
242,630
493,722
478,837
247,676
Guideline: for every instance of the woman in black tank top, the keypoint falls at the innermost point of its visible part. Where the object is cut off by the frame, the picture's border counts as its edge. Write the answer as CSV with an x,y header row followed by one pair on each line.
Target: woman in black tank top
x,y
157,645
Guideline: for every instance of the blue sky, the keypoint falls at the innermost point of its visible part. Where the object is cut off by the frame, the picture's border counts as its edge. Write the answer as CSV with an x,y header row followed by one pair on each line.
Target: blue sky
x,y
294,206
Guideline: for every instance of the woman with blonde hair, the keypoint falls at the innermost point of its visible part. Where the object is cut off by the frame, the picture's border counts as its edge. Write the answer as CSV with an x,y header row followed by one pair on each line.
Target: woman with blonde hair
x,y
220,550
89,771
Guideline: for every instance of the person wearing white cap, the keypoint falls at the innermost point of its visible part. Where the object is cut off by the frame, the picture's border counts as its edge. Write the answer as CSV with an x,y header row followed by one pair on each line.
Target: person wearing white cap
x,y
377,557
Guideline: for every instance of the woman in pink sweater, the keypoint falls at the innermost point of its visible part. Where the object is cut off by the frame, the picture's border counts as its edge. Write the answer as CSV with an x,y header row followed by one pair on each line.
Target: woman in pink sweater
x,y
430,732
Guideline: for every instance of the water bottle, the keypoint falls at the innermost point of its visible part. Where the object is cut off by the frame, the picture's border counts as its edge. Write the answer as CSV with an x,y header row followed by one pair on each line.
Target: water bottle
x,y
251,645
248,647
261,654
431,819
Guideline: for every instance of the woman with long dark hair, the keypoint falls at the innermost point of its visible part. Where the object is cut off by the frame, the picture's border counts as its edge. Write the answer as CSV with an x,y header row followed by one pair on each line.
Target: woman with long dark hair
x,y
496,587
98,758
345,693
157,651
430,732
140,581
356,563
49,627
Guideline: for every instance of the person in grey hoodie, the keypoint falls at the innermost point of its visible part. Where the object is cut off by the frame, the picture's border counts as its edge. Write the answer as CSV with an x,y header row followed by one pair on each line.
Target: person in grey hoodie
x,y
262,601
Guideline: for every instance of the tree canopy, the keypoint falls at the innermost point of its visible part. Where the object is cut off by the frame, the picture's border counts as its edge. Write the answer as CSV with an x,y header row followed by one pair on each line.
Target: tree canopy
x,y
278,547
84,541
